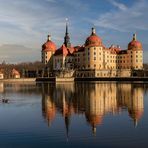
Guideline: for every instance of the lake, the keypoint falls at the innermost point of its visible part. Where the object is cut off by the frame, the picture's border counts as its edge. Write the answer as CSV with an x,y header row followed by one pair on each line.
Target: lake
x,y
80,114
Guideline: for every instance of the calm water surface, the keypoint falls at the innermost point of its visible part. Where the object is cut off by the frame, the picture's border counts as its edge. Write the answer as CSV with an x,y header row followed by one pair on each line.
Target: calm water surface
x,y
74,115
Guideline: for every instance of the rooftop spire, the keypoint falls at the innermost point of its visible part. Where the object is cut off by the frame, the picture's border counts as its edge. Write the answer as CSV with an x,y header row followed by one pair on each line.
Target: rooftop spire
x,y
134,37
67,122
66,26
94,129
67,38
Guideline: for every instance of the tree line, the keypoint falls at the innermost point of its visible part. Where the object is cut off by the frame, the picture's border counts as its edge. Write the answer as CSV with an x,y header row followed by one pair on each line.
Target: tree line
x,y
24,68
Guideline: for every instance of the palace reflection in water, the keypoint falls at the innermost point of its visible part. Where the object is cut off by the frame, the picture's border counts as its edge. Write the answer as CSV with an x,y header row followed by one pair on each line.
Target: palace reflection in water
x,y
94,100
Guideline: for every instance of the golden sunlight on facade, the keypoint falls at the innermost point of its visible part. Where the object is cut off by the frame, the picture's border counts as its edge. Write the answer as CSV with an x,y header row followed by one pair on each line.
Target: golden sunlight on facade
x,y
93,59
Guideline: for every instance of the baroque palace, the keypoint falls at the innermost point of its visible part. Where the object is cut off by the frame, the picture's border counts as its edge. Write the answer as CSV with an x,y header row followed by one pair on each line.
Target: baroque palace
x,y
93,59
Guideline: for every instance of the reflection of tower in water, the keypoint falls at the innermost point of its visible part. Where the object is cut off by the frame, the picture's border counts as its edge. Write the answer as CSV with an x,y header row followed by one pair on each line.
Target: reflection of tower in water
x,y
48,106
58,98
100,99
93,100
130,96
136,105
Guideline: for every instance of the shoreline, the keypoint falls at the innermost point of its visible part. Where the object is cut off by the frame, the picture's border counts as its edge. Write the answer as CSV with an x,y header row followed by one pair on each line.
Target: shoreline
x,y
72,79
19,80
53,79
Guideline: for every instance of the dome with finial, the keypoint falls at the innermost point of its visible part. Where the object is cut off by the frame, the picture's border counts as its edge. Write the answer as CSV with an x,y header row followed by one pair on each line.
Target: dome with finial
x,y
93,39
93,120
134,44
136,115
49,45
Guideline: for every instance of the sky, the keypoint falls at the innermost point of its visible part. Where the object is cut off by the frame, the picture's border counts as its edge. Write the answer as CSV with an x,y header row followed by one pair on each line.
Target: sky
x,y
25,24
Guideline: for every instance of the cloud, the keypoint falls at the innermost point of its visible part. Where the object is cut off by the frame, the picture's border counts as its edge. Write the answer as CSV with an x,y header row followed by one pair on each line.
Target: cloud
x,y
125,19
27,17
27,22
51,1
118,5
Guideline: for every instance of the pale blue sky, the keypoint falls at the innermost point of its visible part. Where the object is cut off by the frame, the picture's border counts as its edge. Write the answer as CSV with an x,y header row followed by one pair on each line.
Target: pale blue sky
x,y
24,24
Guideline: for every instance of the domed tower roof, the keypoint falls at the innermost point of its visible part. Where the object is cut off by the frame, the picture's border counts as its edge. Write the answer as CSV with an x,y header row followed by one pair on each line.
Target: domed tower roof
x,y
93,120
134,44
136,115
93,39
49,45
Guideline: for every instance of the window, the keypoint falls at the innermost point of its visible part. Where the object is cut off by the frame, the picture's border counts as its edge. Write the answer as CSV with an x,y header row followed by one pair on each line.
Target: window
x,y
94,58
94,53
94,65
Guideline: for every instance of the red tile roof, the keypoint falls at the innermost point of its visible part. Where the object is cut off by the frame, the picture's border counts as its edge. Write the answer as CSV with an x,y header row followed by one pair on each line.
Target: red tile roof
x,y
93,40
49,46
63,50
134,44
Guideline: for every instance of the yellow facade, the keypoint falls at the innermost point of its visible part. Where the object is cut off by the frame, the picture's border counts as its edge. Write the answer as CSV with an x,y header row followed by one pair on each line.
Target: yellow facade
x,y
93,59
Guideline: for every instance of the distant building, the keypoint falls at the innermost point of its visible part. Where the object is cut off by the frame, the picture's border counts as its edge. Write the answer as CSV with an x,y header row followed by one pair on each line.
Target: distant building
x,y
1,87
1,75
93,59
15,74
